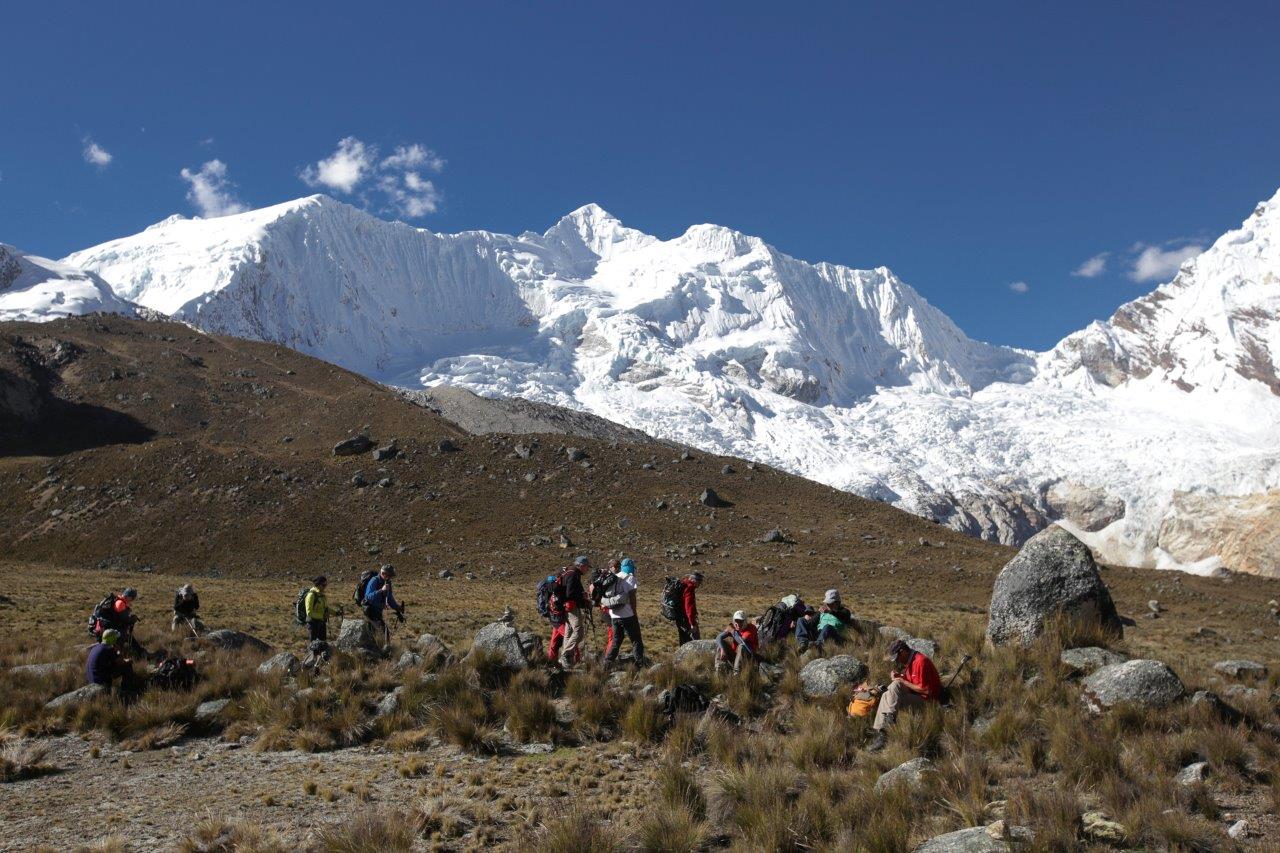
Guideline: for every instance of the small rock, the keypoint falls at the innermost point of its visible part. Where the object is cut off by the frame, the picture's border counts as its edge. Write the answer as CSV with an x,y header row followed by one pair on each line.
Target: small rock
x,y
624,523
686,456
389,451
575,454
1239,830
1141,682
353,446
535,748
564,541
444,574
446,445
207,711
910,774
530,477
1154,607
385,482
408,660
773,536
433,650
1192,774
1216,707
648,466
728,469
711,499
1240,668
358,480
390,703
523,451
355,636
660,504
230,640
1101,828
975,839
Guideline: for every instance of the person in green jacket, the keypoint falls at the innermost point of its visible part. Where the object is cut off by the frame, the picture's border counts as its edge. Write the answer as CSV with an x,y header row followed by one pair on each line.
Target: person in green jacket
x,y
833,621
317,608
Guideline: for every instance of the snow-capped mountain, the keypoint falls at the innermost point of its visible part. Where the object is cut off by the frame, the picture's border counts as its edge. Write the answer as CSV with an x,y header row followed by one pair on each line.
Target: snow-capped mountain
x,y
37,289
1133,432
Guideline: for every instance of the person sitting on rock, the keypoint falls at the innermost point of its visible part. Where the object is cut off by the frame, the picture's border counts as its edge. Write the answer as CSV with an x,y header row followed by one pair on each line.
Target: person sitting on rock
x,y
186,608
739,642
833,621
377,598
316,607
807,630
915,682
107,664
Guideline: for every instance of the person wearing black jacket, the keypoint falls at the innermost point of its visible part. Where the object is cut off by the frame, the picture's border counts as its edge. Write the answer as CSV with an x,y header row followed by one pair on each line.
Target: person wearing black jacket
x,y
186,607
576,609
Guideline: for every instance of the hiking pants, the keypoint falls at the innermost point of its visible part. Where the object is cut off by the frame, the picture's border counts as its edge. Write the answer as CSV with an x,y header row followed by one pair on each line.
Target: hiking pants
x,y
727,649
317,642
183,622
894,697
631,627
379,625
828,632
684,631
575,631
805,636
557,639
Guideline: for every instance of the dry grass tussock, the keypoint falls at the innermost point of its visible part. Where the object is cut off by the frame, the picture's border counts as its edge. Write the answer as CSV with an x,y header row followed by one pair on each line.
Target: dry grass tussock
x,y
221,835
21,758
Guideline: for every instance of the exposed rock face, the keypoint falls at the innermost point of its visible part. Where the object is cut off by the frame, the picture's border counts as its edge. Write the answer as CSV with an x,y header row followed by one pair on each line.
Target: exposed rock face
x,y
1085,660
1241,532
1149,683
1240,668
512,648
1054,574
975,839
1088,508
75,697
695,652
825,676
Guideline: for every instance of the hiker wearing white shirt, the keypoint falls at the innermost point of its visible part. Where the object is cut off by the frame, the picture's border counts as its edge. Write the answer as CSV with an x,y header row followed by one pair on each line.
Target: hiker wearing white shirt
x,y
621,603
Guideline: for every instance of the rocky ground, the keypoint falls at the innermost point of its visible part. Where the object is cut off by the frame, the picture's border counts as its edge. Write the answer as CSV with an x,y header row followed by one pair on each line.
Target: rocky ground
x,y
147,454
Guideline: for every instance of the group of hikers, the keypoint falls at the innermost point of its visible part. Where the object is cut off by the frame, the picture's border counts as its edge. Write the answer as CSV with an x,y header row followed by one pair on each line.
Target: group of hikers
x,y
568,599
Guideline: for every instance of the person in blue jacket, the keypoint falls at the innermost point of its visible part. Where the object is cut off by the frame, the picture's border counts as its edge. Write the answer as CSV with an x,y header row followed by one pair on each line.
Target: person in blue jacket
x,y
107,664
378,596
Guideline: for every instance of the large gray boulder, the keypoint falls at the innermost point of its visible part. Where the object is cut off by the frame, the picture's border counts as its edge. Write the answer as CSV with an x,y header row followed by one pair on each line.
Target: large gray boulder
x,y
284,663
356,637
825,676
75,697
975,839
910,774
232,640
1139,682
1085,660
512,648
695,652
1054,574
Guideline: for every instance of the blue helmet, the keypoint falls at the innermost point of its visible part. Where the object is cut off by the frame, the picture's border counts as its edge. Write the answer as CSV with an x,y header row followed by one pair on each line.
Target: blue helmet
x,y
628,566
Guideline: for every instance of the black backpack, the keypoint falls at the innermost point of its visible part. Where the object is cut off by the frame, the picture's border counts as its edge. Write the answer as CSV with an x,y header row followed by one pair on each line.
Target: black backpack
x,y
670,599
546,589
361,584
103,613
175,674
602,585
300,607
772,624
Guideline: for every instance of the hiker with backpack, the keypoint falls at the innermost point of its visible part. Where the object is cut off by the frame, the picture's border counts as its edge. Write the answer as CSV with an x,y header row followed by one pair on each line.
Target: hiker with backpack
x,y
739,642
621,604
551,606
576,611
599,589
312,610
915,682
376,599
680,605
186,607
115,612
107,665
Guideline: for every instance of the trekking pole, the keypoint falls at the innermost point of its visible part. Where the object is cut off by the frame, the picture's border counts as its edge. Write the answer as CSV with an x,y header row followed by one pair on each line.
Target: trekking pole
x,y
964,660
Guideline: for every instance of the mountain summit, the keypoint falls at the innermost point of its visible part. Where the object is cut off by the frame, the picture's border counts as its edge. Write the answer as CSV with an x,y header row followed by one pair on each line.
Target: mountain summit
x,y
1142,434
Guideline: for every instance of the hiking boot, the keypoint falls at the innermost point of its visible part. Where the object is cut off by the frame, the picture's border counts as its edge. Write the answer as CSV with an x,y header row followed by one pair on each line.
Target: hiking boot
x,y
878,741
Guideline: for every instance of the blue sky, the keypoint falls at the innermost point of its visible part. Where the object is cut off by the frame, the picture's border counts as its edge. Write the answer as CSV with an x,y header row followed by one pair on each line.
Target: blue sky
x,y
970,147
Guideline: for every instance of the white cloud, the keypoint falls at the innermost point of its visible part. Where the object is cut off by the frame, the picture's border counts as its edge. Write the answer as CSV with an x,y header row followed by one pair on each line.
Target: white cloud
x,y
96,155
410,194
1160,263
396,177
413,157
210,191
345,169
1093,267
1019,286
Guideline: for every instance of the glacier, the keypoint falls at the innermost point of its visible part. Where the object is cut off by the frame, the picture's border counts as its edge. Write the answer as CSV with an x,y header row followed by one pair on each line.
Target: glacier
x,y
1154,435
36,289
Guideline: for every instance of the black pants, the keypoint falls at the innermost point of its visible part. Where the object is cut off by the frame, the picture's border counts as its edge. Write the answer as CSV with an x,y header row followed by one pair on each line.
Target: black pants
x,y
631,626
317,629
376,617
685,632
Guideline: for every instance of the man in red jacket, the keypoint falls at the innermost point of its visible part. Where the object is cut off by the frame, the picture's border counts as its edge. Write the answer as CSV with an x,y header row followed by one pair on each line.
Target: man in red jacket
x,y
687,609
915,682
